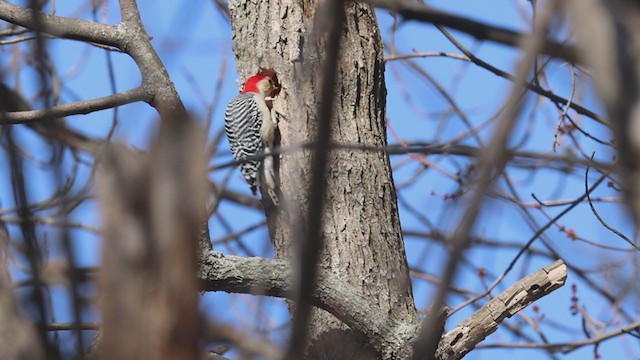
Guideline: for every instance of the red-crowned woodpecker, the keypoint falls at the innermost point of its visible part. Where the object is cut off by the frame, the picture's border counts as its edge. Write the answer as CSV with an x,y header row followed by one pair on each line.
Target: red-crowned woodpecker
x,y
250,123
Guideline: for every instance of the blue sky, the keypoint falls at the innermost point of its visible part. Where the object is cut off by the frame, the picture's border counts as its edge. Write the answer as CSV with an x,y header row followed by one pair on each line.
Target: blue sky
x,y
194,42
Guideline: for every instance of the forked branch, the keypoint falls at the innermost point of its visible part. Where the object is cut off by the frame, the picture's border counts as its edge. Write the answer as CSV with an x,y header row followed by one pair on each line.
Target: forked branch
x,y
391,337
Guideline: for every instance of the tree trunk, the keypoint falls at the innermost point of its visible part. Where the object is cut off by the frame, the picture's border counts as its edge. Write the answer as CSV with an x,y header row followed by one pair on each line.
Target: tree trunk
x,y
362,237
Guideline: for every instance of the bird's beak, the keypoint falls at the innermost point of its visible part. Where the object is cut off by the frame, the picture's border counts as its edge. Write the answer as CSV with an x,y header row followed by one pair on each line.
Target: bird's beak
x,y
275,90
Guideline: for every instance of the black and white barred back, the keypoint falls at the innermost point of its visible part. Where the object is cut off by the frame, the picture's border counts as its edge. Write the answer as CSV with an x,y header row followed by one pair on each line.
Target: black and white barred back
x,y
244,135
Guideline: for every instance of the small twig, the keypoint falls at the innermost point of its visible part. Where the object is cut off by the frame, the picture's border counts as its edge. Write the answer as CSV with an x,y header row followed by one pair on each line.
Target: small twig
x,y
595,212
528,244
568,346
424,55
565,108
237,234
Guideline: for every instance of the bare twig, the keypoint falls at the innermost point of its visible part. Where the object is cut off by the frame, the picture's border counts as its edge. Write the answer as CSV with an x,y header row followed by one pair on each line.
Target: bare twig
x,y
568,346
432,149
595,212
529,85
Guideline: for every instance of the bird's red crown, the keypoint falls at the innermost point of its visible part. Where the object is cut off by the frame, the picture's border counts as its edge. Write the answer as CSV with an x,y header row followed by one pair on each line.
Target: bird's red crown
x,y
252,83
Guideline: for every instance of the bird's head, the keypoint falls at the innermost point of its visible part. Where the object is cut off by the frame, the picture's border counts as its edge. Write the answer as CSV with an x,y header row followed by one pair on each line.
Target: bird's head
x,y
264,83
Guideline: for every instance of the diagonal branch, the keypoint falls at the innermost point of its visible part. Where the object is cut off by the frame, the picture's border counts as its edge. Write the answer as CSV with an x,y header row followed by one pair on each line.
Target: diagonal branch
x,y
63,27
527,84
464,337
479,30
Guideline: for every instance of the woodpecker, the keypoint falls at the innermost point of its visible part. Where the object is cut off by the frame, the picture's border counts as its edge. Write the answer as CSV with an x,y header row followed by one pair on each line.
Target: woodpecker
x,y
250,123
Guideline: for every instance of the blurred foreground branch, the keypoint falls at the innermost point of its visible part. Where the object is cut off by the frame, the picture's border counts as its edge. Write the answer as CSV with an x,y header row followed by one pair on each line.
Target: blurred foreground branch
x,y
153,211
608,37
18,338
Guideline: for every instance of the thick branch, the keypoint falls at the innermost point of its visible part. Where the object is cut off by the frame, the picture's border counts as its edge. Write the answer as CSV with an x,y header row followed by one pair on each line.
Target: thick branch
x,y
58,26
129,36
391,337
155,78
608,37
275,278
463,338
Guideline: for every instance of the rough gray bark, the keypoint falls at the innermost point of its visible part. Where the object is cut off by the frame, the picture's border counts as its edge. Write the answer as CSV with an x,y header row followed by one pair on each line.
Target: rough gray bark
x,y
463,338
275,277
361,232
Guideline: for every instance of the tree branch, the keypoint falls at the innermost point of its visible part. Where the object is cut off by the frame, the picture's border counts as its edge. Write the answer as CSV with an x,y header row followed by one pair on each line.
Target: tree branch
x,y
481,31
570,346
76,108
470,57
489,165
129,36
430,149
464,337
63,27
390,336
272,277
